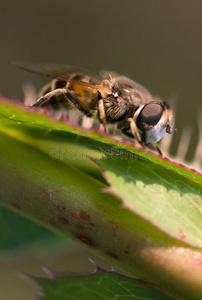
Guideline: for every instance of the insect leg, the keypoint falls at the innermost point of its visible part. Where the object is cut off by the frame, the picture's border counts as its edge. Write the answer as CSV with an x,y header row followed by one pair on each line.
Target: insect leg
x,y
102,114
134,130
67,95
156,146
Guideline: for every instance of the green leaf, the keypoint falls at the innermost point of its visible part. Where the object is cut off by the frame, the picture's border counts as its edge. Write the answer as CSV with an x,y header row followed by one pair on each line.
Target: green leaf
x,y
144,215
99,284
168,200
157,190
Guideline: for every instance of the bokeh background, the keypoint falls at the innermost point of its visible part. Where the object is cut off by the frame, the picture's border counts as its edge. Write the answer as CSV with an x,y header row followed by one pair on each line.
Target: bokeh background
x,y
158,43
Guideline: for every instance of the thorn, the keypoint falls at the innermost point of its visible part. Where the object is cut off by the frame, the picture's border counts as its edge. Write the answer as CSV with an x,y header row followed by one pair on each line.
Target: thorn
x,y
95,265
49,272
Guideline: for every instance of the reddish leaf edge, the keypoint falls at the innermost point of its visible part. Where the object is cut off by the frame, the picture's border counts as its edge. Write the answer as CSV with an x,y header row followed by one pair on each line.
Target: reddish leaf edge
x,y
53,276
109,190
97,130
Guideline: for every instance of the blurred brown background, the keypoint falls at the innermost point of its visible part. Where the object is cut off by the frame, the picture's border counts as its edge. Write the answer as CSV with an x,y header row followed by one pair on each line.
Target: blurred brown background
x,y
157,43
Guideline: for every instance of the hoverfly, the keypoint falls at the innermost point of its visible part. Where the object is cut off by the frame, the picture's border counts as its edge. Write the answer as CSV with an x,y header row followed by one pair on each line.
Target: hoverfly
x,y
112,98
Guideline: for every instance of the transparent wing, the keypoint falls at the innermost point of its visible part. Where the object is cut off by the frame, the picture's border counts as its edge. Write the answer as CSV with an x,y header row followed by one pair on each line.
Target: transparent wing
x,y
62,72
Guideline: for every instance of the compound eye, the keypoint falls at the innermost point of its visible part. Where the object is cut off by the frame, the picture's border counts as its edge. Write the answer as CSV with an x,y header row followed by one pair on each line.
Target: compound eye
x,y
149,116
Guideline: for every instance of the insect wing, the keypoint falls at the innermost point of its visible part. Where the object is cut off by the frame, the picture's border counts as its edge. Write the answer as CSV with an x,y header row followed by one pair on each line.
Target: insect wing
x,y
57,71
62,72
